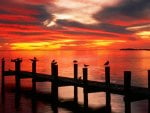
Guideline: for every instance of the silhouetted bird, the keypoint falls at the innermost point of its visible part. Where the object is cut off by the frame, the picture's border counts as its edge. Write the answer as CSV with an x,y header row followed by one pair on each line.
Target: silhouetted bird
x,y
75,61
34,59
106,63
80,78
53,61
86,65
16,60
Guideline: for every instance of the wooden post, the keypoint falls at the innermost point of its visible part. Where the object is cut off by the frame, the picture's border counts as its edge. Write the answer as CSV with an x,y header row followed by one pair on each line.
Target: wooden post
x,y
75,86
149,90
108,95
127,105
17,71
127,81
127,87
52,74
34,60
17,66
85,78
55,72
85,75
55,83
52,68
149,79
17,100
107,75
2,73
17,78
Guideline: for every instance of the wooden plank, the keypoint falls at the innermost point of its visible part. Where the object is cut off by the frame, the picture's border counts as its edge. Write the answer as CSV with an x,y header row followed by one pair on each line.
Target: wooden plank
x,y
9,73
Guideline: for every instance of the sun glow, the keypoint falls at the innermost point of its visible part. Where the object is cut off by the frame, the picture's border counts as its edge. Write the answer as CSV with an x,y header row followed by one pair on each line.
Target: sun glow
x,y
29,46
106,42
40,45
144,34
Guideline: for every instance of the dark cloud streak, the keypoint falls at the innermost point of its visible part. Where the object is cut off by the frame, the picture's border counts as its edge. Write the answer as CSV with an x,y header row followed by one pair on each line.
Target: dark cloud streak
x,y
27,33
102,26
129,10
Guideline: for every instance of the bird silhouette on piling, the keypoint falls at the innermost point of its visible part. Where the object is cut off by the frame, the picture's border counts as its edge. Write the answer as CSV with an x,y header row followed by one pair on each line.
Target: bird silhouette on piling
x,y
16,60
85,65
75,61
54,62
106,63
34,59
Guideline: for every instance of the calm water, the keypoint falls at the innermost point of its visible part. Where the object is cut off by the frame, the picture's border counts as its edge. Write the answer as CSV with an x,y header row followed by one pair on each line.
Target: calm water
x,y
136,61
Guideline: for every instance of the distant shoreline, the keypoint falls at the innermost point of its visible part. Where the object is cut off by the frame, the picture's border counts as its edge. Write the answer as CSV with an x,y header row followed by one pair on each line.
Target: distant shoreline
x,y
133,49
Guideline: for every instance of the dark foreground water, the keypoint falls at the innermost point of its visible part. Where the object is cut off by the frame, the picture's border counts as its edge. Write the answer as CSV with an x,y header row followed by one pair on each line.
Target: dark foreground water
x,y
136,61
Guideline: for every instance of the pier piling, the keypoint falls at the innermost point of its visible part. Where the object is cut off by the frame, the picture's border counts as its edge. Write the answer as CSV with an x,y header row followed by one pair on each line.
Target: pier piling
x,y
127,104
127,82
75,86
108,95
2,73
55,83
34,61
127,89
149,90
17,72
85,91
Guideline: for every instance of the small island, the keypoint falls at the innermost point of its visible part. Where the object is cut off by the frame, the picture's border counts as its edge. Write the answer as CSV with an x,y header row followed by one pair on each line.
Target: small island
x,y
134,49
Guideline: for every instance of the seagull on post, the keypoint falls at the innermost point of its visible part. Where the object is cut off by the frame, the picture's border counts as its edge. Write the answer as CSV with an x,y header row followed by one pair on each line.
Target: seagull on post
x,y
54,62
106,63
34,59
85,65
75,61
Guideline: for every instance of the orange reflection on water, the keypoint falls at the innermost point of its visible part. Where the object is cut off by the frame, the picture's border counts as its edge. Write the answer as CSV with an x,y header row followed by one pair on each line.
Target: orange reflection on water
x,y
136,61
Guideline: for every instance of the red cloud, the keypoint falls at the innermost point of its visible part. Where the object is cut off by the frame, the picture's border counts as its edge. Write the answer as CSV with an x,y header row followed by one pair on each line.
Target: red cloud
x,y
18,18
17,9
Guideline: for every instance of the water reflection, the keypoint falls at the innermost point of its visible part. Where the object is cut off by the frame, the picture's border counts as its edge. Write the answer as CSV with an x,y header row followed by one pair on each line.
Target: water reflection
x,y
34,103
47,99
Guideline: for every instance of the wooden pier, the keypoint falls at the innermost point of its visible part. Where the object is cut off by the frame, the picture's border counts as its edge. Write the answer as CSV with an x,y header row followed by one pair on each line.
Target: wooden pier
x,y
130,93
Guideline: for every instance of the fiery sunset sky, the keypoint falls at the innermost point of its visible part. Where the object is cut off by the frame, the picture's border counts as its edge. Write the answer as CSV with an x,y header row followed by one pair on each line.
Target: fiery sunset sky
x,y
74,24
